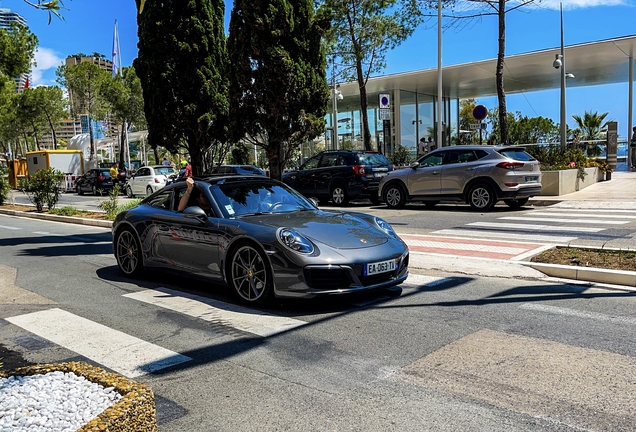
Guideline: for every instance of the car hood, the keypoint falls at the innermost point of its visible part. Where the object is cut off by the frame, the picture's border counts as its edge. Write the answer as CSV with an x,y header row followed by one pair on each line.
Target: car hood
x,y
337,230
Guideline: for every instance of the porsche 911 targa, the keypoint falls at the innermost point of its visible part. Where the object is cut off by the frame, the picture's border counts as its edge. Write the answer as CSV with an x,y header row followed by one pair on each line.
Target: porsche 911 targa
x,y
261,238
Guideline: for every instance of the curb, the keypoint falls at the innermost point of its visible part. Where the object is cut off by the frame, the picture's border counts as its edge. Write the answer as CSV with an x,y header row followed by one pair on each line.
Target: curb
x,y
59,218
587,274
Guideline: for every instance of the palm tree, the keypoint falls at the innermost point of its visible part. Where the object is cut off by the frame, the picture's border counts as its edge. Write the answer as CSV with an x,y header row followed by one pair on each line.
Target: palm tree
x,y
591,127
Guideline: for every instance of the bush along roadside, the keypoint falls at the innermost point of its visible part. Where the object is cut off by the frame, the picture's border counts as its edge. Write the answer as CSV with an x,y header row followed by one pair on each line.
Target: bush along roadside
x,y
5,187
42,188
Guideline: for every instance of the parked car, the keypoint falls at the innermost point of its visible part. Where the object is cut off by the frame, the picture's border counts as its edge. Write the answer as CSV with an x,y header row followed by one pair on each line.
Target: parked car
x,y
261,238
340,176
149,179
96,181
236,169
479,175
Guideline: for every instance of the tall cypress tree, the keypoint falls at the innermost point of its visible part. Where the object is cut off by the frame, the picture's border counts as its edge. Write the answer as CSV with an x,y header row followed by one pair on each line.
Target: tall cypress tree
x,y
278,88
182,65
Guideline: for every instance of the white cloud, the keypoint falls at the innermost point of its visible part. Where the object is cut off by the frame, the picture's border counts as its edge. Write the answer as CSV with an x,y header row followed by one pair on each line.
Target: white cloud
x,y
47,61
580,4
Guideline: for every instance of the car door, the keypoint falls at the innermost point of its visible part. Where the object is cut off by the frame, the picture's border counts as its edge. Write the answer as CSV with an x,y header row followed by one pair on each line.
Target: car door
x,y
426,179
303,179
191,244
328,167
140,180
459,166
88,180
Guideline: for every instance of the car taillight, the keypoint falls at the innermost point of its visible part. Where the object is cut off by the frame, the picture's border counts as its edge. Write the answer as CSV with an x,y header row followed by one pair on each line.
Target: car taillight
x,y
510,165
157,180
359,170
101,178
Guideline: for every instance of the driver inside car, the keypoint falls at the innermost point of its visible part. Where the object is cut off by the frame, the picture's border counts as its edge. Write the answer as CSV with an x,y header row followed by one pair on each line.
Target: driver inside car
x,y
198,197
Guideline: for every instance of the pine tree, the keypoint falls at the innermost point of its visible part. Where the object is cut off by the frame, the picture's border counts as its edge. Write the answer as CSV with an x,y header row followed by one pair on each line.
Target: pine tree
x,y
278,90
182,65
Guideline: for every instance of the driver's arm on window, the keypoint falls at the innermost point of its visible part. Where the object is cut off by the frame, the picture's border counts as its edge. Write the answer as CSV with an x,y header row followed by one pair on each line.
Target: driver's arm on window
x,y
183,202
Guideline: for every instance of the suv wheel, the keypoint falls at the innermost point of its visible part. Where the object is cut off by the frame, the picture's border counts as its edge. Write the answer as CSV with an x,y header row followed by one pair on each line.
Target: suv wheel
x,y
481,197
394,196
339,195
516,203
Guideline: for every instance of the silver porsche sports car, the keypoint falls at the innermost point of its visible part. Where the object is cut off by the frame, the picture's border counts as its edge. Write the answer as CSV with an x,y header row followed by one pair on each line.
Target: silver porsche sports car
x,y
261,238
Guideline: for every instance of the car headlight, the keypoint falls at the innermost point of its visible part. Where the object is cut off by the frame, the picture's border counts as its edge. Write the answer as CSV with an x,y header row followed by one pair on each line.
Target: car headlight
x,y
384,226
295,241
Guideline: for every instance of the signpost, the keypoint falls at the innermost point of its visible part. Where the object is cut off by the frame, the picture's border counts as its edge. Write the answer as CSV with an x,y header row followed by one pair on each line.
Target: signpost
x,y
479,112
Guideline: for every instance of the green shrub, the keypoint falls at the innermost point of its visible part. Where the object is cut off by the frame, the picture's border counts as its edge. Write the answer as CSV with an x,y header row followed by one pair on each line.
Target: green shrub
x,y
5,187
42,188
556,157
110,205
401,156
65,211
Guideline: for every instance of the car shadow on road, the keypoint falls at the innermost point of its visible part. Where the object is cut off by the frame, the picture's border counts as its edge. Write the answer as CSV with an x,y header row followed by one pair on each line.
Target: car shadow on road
x,y
84,244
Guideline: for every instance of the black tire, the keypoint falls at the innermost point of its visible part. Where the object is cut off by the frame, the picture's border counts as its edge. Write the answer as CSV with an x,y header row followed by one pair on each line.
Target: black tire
x,y
79,191
249,274
339,195
394,196
128,253
481,197
430,204
129,192
148,190
375,199
516,203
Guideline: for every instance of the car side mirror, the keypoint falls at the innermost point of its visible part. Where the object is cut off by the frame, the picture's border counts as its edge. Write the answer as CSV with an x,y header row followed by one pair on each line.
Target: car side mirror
x,y
414,165
195,212
314,201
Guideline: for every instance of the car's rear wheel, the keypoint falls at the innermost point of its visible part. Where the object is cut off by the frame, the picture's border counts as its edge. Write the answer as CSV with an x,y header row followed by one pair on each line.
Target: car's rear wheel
x,y
394,196
250,274
516,203
79,190
128,253
481,197
129,192
148,190
339,195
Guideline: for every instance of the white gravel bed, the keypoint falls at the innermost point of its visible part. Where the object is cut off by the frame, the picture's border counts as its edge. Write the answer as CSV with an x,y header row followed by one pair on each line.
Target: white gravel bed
x,y
56,401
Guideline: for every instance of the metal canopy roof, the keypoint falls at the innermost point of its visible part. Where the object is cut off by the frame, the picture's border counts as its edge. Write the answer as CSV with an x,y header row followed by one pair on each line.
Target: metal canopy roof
x,y
593,63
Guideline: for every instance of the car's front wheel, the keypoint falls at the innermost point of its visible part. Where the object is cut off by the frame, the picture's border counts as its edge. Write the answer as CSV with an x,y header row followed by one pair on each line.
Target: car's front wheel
x,y
516,203
481,197
394,196
339,195
129,192
128,253
148,190
249,274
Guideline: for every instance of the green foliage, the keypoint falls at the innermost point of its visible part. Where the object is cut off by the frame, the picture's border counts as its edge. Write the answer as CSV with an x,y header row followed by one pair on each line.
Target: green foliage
x,y
183,68
42,188
556,157
278,91
65,211
401,156
110,205
17,48
123,207
5,187
523,129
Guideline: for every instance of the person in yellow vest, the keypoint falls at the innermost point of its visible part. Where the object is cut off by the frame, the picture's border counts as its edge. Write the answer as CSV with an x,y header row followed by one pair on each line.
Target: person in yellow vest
x,y
114,172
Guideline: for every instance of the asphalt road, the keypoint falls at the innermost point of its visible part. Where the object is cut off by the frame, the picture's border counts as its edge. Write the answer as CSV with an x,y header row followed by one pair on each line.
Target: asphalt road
x,y
447,353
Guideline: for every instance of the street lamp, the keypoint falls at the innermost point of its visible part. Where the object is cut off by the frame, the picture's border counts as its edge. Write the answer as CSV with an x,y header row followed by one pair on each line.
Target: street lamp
x,y
559,63
336,96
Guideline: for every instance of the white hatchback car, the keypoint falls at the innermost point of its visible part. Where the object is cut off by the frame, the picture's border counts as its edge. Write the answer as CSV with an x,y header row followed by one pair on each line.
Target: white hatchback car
x,y
149,179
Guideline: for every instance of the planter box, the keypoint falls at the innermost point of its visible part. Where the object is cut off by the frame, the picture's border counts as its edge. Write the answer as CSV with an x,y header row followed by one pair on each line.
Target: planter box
x,y
554,183
135,411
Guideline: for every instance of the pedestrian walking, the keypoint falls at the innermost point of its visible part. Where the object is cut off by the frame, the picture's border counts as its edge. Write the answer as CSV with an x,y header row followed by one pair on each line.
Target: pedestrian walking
x,y
165,162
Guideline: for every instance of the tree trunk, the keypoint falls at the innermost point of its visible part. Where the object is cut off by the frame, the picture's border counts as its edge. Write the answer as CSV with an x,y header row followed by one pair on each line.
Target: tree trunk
x,y
122,144
48,118
501,95
364,105
275,155
92,141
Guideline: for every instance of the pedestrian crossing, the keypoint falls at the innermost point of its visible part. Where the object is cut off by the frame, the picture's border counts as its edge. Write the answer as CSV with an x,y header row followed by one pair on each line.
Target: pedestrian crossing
x,y
509,237
133,357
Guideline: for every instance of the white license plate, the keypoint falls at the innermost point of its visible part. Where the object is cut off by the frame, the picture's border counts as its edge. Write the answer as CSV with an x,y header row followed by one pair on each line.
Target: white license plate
x,y
379,174
532,179
380,267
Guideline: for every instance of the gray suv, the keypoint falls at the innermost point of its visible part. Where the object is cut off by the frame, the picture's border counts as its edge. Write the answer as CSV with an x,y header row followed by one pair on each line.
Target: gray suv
x,y
479,175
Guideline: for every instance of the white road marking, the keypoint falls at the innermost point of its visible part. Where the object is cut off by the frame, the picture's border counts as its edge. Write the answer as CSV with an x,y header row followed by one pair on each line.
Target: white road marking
x,y
579,314
587,221
510,236
535,227
125,354
592,215
9,227
241,318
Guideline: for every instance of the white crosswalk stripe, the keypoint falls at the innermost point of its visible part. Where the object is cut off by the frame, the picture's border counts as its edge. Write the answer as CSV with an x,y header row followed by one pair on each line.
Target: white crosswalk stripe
x,y
535,227
591,215
241,318
125,354
507,235
575,221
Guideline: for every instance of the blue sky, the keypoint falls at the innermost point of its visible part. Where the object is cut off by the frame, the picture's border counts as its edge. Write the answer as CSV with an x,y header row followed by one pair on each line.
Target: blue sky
x,y
88,27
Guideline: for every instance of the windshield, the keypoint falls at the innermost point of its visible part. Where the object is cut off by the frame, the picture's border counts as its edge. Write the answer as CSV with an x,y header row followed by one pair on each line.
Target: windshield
x,y
257,197
164,170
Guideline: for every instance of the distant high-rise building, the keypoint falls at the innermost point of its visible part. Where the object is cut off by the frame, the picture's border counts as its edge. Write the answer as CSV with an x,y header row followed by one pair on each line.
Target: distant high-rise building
x,y
6,18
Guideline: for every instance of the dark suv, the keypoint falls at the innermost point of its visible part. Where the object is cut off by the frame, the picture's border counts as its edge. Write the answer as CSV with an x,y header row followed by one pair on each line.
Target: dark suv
x,y
340,175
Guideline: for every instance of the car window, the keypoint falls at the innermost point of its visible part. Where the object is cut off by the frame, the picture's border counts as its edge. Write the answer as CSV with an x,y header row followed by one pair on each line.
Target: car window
x,y
161,200
432,159
372,159
481,154
459,156
143,172
516,154
329,160
311,163
164,171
